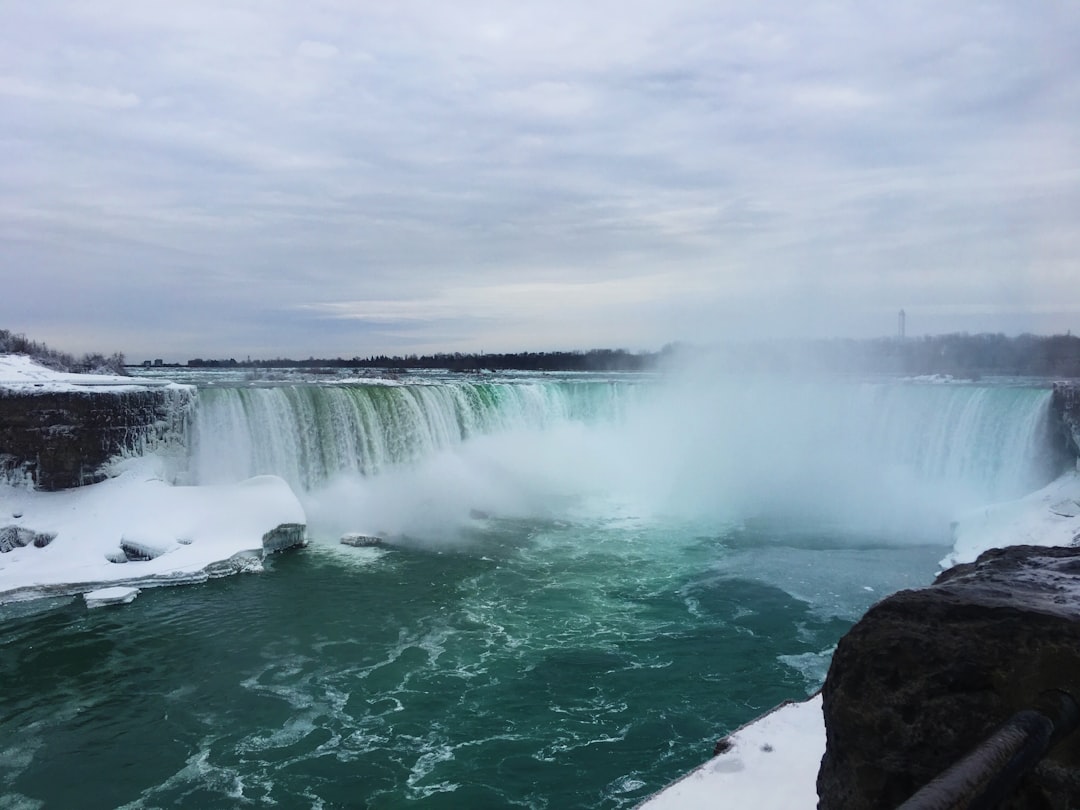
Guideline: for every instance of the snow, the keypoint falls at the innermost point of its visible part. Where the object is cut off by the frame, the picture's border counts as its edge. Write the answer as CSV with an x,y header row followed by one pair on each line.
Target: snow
x,y
772,763
22,374
1048,517
118,595
190,533
388,381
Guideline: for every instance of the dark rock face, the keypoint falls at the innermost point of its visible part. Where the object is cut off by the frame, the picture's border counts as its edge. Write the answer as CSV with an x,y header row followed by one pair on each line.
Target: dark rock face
x,y
927,675
63,439
1066,403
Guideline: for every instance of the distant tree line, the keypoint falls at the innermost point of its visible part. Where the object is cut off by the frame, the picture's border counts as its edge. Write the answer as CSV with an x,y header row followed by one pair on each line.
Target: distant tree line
x,y
958,354
593,360
60,361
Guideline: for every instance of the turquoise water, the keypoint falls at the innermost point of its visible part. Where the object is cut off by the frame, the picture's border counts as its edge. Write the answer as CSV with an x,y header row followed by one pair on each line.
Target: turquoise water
x,y
538,664
586,583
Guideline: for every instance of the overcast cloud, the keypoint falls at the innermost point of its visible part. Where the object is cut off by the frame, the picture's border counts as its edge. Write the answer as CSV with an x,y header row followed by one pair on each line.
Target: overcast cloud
x,y
347,178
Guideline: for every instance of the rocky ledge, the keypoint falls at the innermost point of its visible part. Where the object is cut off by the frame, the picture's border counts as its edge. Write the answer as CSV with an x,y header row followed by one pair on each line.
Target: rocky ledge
x,y
63,439
927,675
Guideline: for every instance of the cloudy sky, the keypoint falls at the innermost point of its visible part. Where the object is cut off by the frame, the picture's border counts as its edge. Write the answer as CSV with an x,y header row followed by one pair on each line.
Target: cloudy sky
x,y
273,177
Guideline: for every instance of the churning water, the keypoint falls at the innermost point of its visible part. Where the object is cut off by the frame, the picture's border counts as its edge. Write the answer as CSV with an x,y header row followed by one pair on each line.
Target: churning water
x,y
587,580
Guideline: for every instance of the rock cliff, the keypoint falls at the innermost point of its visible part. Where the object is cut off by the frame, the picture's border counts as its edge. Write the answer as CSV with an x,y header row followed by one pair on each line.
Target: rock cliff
x,y
63,439
926,675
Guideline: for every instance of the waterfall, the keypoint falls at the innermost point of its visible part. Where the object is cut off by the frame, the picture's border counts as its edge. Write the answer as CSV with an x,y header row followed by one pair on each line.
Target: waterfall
x,y
309,433
894,454
841,451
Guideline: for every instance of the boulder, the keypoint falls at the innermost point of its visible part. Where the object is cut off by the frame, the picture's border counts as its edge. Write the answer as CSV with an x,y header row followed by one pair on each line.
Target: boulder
x,y
927,675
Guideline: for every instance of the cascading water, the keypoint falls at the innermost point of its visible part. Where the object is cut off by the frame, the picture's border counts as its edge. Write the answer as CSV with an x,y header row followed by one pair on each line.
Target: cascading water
x,y
309,433
843,452
588,581
899,454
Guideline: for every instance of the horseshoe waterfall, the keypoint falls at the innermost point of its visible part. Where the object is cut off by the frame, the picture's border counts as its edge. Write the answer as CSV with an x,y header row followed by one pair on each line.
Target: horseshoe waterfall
x,y
576,584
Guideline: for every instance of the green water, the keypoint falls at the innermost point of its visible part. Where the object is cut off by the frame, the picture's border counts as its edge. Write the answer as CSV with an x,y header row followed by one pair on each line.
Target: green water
x,y
547,664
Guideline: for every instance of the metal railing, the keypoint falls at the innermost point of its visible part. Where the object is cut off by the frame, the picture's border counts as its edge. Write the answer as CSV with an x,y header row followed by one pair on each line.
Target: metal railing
x,y
990,772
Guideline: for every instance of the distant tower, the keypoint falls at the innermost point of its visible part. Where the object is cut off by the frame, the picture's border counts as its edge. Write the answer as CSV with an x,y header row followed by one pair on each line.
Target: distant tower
x,y
900,329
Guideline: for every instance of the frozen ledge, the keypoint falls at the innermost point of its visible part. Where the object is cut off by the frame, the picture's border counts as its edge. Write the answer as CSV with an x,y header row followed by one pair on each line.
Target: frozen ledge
x,y
769,764
1047,517
138,531
110,596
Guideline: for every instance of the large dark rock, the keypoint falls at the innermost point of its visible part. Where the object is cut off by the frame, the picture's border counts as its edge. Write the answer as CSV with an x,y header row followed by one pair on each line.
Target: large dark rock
x,y
63,439
927,675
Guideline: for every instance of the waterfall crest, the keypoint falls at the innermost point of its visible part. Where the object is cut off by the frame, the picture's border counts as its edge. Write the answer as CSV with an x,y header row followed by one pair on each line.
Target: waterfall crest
x,y
831,451
308,433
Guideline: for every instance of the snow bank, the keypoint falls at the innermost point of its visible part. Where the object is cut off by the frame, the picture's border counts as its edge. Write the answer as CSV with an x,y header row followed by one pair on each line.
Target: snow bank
x,y
1048,517
136,529
772,763
21,373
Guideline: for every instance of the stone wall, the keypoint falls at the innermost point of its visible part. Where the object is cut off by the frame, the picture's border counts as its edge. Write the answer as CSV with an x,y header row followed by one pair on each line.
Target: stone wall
x,y
927,675
63,439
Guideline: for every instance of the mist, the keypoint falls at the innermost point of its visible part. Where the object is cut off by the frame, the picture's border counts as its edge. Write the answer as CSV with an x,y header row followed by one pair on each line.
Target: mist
x,y
894,459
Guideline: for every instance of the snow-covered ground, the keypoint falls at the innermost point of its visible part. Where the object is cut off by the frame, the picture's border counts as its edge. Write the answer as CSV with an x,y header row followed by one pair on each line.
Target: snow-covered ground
x,y
772,763
83,539
20,373
186,533
774,760
1047,517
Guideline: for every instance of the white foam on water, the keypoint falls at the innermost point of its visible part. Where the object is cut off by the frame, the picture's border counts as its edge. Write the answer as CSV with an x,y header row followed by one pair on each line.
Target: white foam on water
x,y
813,666
198,773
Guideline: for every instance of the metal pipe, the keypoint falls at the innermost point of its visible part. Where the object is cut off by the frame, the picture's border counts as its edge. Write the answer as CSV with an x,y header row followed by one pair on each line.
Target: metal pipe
x,y
990,772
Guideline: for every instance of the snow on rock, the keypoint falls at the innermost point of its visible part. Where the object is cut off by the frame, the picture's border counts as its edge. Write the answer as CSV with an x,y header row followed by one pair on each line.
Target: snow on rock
x,y
136,529
771,763
1047,517
110,596
360,539
21,373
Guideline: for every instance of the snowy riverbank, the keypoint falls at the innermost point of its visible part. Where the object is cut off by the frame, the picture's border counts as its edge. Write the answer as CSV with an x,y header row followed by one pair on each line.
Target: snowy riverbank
x,y
1047,517
772,763
136,529
20,373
